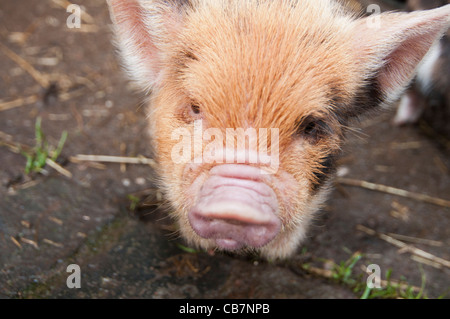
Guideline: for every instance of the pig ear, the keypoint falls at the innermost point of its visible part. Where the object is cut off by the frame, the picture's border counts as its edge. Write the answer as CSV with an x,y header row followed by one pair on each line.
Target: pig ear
x,y
389,47
142,27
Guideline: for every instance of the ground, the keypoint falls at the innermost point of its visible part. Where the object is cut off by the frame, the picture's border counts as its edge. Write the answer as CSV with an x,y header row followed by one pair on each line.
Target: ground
x,y
125,249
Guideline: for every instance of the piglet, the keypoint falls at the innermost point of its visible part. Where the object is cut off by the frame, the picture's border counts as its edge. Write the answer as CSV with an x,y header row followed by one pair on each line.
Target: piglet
x,y
428,97
249,102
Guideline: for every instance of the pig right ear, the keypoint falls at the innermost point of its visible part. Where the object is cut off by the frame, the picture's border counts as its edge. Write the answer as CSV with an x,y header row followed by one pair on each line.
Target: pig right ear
x,y
142,27
387,53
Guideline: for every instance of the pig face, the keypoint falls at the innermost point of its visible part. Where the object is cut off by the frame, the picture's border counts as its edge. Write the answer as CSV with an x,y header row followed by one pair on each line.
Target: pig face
x,y
250,102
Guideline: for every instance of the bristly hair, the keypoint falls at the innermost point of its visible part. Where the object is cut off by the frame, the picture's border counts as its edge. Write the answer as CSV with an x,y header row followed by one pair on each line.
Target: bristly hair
x,y
325,171
368,100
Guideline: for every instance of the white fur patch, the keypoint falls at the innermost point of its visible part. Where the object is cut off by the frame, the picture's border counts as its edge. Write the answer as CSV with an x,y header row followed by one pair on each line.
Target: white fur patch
x,y
405,111
426,68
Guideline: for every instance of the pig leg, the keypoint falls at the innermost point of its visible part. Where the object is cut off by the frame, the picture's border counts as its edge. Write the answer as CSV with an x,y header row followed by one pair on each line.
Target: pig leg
x,y
410,108
414,102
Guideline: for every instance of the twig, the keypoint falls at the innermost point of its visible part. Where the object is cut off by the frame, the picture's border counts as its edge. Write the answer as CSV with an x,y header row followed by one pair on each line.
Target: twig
x,y
417,240
19,102
319,271
112,159
52,243
21,37
70,95
404,247
5,136
25,185
95,165
38,77
393,191
30,242
14,146
56,220
58,167
16,242
23,101
426,262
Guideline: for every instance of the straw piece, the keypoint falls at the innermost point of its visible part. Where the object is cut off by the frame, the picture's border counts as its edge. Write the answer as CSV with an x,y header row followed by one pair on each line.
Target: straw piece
x,y
393,191
19,102
417,240
112,159
58,167
15,242
52,243
404,247
30,242
37,76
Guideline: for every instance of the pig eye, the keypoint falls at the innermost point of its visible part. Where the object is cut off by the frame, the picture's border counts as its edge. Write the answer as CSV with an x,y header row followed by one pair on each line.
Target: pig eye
x,y
189,113
313,129
195,109
310,129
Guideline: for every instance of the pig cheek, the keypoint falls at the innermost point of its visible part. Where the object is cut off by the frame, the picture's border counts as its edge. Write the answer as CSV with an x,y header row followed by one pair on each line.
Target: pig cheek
x,y
169,172
292,197
292,186
296,216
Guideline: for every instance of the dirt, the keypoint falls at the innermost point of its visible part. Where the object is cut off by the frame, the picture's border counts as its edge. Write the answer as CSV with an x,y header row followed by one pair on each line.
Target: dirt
x,y
48,221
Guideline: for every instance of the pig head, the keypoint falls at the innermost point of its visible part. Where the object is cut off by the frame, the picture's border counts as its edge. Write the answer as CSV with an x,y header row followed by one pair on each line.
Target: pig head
x,y
250,101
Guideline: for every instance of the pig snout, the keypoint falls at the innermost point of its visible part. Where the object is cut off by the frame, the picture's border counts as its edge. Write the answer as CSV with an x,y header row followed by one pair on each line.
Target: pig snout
x,y
236,208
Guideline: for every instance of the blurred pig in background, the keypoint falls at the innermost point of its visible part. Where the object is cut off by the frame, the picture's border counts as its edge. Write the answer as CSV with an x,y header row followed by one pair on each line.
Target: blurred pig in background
x,y
428,97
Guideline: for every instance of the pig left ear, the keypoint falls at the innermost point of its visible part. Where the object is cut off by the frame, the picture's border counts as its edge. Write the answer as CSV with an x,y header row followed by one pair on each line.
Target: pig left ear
x,y
388,48
143,28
